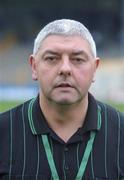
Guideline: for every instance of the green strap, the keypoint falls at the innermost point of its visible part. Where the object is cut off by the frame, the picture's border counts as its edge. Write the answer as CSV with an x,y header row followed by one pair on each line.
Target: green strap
x,y
50,157
86,156
83,162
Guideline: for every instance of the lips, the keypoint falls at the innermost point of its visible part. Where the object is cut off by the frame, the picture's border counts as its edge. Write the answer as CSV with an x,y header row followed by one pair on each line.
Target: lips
x,y
64,85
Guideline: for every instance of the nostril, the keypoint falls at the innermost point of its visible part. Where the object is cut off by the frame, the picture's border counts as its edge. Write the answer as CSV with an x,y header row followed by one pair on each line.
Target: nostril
x,y
65,73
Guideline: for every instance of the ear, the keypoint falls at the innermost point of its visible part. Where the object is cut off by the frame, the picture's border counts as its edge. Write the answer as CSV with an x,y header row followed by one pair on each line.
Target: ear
x,y
97,61
32,62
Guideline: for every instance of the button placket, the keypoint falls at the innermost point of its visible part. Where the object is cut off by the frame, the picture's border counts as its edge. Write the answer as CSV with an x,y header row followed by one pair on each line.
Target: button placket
x,y
66,150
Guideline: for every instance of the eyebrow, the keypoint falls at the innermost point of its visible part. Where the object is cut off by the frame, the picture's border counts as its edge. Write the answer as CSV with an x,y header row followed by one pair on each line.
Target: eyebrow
x,y
50,52
80,52
76,53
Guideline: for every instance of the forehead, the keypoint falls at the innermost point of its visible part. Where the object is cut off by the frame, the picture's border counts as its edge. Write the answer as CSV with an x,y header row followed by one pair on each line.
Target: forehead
x,y
66,43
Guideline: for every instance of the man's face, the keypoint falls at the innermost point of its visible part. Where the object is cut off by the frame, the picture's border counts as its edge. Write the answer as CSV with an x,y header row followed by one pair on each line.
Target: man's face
x,y
65,68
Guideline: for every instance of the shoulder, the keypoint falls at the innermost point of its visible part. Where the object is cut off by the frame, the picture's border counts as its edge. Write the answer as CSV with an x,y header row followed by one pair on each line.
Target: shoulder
x,y
111,114
110,110
13,114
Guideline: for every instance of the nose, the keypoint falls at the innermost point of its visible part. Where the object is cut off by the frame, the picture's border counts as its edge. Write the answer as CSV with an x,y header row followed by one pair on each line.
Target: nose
x,y
65,67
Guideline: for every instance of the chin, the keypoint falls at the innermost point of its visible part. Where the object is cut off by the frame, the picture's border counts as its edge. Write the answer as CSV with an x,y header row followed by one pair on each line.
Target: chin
x,y
66,101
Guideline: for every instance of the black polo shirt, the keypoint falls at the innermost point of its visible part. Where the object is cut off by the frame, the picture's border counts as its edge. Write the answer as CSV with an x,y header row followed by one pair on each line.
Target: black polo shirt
x,y
22,154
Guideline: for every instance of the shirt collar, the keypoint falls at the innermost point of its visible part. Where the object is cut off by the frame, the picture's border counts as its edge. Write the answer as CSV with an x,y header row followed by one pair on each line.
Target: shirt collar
x,y
37,122
91,120
39,125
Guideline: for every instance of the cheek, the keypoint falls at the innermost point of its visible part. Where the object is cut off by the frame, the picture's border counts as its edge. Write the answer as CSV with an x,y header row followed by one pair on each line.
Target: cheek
x,y
86,72
85,75
45,76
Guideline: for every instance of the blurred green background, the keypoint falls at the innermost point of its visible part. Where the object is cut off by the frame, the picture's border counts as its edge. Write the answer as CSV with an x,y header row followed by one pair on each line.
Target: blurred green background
x,y
4,106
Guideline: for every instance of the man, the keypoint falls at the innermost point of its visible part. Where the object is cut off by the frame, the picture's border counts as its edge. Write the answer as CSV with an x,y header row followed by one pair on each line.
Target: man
x,y
63,133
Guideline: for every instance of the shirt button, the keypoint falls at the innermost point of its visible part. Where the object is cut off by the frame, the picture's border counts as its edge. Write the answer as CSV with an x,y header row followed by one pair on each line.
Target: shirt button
x,y
65,149
66,168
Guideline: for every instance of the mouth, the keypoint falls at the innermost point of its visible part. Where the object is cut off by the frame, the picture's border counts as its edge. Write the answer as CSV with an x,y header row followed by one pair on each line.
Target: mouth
x,y
64,85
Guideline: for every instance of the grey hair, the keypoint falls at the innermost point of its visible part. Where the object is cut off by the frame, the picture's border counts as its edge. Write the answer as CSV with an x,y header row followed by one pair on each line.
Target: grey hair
x,y
65,27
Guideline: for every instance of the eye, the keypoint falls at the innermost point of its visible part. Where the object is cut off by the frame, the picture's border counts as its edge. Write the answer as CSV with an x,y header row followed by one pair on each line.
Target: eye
x,y
51,59
78,60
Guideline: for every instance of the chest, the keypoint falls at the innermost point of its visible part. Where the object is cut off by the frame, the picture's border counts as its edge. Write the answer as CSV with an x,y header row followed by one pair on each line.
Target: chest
x,y
27,158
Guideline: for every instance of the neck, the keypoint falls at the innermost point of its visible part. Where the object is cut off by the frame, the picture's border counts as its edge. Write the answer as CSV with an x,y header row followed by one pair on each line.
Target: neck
x,y
64,120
